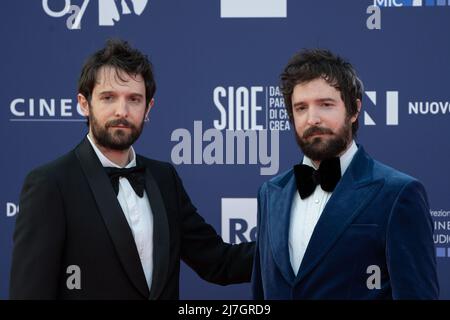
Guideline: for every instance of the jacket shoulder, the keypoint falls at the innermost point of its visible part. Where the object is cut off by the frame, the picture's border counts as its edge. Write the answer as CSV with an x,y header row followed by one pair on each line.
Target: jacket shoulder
x,y
155,165
390,175
160,170
56,167
279,180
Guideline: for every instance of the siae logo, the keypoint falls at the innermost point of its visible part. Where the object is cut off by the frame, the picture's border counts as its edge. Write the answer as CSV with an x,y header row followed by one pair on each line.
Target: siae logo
x,y
239,219
253,8
391,108
109,11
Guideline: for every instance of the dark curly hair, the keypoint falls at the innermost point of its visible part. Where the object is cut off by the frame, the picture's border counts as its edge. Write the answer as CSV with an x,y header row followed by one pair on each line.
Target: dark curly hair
x,y
119,55
310,64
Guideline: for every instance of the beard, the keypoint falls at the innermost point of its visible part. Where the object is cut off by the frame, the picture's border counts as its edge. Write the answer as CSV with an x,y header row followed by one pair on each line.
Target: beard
x,y
323,147
115,139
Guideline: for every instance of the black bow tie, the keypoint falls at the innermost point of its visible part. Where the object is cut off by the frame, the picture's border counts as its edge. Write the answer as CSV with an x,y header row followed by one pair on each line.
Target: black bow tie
x,y
327,176
135,175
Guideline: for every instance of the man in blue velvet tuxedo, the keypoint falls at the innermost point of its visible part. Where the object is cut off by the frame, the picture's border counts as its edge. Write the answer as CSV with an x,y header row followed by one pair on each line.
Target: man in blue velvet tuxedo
x,y
340,225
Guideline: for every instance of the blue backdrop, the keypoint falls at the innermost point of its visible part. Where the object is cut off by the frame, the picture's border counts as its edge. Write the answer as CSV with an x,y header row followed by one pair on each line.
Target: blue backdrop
x,y
217,64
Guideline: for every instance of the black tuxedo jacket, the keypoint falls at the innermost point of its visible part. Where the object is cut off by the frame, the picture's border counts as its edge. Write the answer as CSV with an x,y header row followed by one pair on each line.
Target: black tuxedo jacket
x,y
69,216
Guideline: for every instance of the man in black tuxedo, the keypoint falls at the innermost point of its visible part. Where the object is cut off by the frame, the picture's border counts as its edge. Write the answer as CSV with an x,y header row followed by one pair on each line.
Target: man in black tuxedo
x,y
104,223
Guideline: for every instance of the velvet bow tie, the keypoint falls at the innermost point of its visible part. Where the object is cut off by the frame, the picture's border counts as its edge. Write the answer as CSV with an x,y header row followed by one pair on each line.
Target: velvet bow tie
x,y
135,175
308,178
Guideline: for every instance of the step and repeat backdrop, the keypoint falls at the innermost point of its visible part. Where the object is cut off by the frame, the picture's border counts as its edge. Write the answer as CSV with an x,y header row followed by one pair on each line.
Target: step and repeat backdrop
x,y
219,115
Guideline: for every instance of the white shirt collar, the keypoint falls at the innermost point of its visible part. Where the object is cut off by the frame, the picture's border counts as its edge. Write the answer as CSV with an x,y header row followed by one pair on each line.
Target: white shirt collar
x,y
345,159
108,163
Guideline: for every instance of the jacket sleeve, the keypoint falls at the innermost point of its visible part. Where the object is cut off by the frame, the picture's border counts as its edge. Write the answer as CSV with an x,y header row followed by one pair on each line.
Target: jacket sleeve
x,y
204,250
410,249
38,240
257,286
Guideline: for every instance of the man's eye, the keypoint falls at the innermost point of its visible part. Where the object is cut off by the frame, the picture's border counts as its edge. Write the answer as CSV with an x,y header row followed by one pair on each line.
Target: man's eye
x,y
107,98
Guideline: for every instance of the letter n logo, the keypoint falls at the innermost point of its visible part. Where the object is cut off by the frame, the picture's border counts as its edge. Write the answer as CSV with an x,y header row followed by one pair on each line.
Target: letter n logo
x,y
391,108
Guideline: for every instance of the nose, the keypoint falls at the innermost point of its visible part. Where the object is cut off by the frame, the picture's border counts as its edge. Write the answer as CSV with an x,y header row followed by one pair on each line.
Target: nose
x,y
313,117
121,110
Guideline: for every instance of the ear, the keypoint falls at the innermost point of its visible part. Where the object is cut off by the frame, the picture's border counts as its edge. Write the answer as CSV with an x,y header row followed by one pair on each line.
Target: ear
x,y
150,105
84,104
356,115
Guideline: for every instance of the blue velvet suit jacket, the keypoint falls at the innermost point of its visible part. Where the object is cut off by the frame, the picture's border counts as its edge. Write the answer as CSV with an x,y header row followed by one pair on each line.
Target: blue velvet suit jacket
x,y
376,216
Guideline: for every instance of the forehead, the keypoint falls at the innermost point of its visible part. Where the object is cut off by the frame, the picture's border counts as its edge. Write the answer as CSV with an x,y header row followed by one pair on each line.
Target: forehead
x,y
315,89
113,79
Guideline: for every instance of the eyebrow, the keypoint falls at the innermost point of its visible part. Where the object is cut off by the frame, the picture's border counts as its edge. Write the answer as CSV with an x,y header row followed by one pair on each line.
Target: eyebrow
x,y
299,103
105,92
135,94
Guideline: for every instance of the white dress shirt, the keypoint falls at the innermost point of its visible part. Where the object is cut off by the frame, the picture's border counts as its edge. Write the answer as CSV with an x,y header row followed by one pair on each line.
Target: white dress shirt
x,y
138,213
306,212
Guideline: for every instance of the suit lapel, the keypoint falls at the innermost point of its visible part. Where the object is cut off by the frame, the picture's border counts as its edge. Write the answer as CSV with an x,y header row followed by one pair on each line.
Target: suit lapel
x,y
352,194
279,212
112,215
161,249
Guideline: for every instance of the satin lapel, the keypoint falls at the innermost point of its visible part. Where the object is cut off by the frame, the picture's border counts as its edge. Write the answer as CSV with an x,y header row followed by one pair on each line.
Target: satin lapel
x,y
352,194
113,215
161,239
279,212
